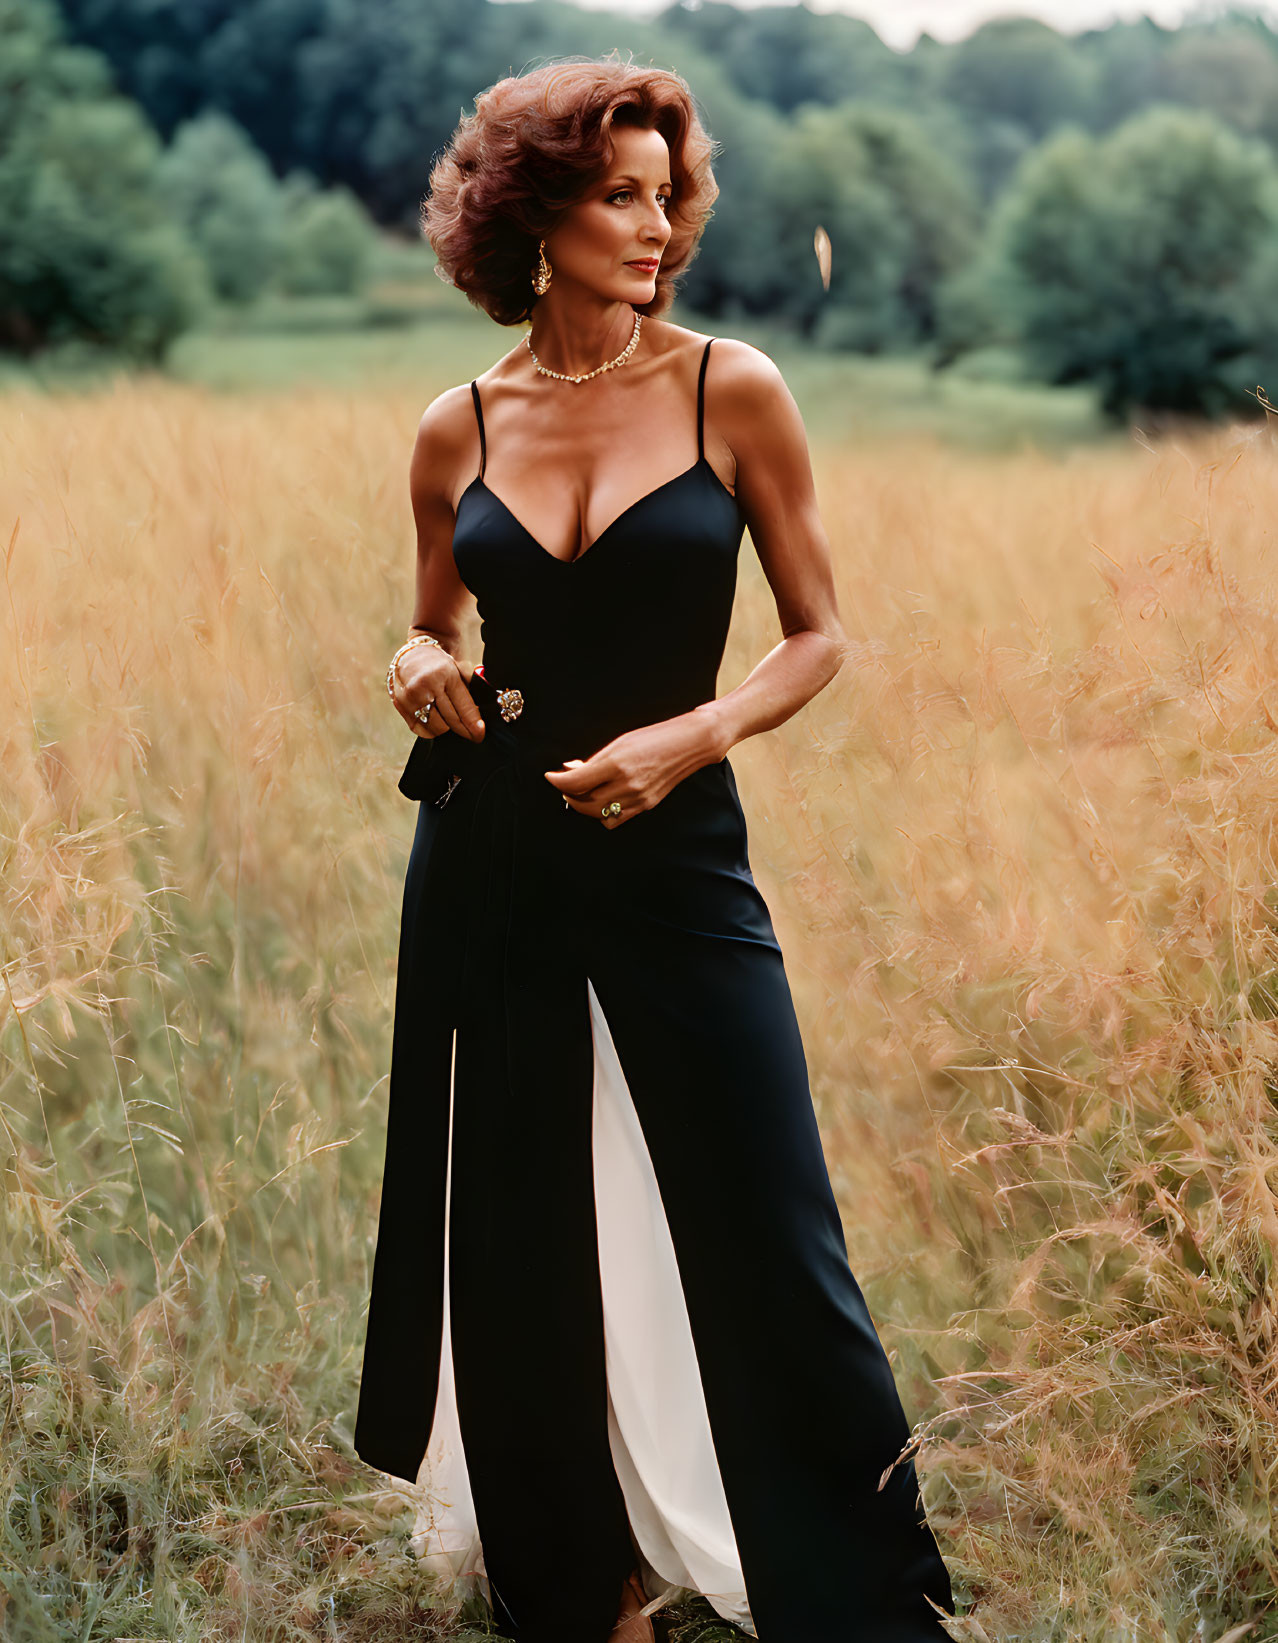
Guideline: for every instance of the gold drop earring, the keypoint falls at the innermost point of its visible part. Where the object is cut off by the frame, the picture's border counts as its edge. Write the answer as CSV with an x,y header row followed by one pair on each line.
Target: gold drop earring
x,y
541,279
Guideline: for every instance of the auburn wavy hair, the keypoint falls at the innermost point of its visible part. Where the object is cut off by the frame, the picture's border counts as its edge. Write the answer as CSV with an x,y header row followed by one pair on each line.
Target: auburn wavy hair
x,y
535,145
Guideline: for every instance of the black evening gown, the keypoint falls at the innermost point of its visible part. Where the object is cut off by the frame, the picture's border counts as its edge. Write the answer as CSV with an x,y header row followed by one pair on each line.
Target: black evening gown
x,y
609,1264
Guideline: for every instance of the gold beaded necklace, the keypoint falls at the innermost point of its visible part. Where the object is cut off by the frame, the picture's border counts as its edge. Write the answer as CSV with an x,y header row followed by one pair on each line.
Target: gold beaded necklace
x,y
621,358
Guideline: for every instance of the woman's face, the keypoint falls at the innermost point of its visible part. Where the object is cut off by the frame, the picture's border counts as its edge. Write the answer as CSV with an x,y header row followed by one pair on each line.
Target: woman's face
x,y
622,220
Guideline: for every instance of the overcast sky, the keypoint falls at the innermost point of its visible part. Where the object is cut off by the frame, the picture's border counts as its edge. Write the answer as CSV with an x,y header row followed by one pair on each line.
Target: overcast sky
x,y
900,22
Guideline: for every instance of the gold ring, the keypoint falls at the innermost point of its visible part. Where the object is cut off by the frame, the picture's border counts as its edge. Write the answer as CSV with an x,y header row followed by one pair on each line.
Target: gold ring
x,y
613,809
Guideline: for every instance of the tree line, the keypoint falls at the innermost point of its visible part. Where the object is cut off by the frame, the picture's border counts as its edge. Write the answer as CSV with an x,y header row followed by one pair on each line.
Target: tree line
x,y
1103,205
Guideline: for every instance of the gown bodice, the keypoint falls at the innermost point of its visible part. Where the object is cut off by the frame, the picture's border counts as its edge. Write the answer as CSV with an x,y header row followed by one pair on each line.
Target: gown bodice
x,y
631,631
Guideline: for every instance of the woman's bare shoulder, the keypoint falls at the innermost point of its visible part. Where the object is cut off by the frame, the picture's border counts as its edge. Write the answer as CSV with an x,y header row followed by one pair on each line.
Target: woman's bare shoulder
x,y
447,444
742,365
747,397
442,429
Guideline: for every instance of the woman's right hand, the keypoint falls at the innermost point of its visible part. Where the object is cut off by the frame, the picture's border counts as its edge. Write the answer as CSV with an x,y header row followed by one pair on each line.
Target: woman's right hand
x,y
429,678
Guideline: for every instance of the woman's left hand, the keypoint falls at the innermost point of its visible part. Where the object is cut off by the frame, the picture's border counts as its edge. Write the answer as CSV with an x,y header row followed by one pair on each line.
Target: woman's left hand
x,y
638,768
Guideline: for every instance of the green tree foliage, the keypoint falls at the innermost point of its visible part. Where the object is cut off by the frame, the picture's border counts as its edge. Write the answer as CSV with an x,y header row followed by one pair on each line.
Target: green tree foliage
x,y
378,92
356,94
1256,368
88,250
933,198
900,216
365,94
249,61
328,240
1013,80
1227,72
1132,259
1124,62
156,49
222,191
1019,70
900,156
785,56
815,178
255,232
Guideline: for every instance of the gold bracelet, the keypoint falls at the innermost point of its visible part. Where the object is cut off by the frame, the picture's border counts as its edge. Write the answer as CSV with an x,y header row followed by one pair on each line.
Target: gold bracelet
x,y
417,639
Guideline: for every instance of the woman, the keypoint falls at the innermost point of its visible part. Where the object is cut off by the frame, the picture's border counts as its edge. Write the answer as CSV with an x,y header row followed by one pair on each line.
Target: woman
x,y
612,1326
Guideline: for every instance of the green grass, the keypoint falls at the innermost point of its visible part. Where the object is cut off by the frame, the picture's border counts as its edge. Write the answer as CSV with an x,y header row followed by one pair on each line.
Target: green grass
x,y
842,396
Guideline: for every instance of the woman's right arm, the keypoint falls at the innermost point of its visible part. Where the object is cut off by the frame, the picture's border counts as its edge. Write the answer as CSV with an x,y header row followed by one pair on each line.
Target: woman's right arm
x,y
427,673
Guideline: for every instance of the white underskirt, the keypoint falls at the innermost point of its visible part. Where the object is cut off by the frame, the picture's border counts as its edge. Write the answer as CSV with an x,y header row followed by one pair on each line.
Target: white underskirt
x,y
658,1426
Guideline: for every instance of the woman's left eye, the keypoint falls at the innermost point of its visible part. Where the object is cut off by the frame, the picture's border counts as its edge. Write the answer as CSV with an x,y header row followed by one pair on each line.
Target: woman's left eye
x,y
664,198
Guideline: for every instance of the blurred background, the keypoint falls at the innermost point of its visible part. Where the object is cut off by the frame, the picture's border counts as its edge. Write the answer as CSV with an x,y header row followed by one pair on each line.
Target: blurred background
x,y
232,189
1021,854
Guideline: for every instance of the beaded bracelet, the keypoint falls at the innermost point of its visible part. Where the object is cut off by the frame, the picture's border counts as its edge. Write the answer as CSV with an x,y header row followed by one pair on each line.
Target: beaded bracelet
x,y
417,639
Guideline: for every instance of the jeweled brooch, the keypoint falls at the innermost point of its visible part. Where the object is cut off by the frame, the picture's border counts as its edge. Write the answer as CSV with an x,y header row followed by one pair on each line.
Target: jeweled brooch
x,y
511,703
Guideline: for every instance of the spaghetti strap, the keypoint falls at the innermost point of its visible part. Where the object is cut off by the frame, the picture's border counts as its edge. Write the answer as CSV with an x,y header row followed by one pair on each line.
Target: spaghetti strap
x,y
701,404
479,417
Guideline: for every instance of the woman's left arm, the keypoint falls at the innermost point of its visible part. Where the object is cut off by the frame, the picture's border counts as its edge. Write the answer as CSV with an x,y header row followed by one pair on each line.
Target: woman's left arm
x,y
761,422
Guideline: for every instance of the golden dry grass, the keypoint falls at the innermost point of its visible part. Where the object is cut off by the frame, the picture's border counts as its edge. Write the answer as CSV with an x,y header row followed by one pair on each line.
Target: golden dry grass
x,y
1021,860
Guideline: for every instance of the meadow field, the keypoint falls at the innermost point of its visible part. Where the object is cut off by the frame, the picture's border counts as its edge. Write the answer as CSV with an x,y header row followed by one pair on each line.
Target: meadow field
x,y
1021,856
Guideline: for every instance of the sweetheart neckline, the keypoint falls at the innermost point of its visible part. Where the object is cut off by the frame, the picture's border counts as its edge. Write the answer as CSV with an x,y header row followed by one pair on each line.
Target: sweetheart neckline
x,y
665,485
